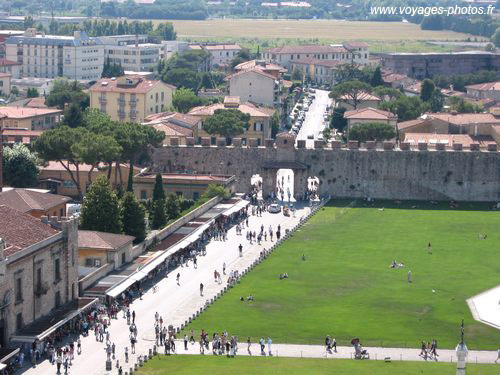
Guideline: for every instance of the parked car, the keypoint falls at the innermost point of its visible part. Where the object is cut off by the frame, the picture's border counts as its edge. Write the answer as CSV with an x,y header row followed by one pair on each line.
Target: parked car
x,y
310,136
274,208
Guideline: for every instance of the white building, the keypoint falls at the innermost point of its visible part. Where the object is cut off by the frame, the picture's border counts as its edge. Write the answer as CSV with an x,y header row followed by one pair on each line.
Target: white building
x,y
48,56
171,47
221,54
255,86
132,52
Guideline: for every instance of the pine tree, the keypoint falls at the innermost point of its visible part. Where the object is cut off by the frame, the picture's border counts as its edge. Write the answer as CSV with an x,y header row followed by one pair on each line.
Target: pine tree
x,y
119,191
133,217
130,187
377,78
100,209
158,214
172,206
158,192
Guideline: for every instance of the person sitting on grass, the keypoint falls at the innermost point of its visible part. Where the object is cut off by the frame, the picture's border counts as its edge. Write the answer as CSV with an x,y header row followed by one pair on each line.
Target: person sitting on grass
x,y
250,298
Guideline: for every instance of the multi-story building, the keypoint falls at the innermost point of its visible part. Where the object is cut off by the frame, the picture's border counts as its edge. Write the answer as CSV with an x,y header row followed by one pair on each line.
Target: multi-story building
x,y
174,125
220,54
130,98
35,203
354,52
259,124
77,57
39,274
255,85
132,52
370,115
11,67
171,47
29,118
5,84
321,72
425,65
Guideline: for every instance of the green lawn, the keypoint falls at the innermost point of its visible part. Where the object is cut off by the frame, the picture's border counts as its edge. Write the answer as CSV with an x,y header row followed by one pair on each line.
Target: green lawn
x,y
345,288
192,365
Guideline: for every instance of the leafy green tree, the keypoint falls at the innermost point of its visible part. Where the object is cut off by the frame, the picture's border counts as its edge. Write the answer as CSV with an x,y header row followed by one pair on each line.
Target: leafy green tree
x,y
214,190
406,107
65,91
158,214
350,92
182,77
73,116
172,206
14,91
327,134
461,106
428,88
158,192
377,78
57,145
387,93
496,38
32,92
275,124
163,31
436,102
338,121
372,131
226,122
19,166
133,217
112,69
101,208
119,191
296,75
184,99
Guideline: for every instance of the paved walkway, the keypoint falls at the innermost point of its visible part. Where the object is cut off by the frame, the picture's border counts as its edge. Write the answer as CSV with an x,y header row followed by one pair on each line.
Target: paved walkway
x,y
177,303
344,352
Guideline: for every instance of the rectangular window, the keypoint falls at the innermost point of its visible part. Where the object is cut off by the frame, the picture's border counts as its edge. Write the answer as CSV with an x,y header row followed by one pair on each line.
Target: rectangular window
x,y
19,289
144,194
39,278
57,270
57,301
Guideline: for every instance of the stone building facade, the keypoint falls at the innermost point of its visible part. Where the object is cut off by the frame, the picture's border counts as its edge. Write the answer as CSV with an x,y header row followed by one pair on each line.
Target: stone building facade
x,y
38,268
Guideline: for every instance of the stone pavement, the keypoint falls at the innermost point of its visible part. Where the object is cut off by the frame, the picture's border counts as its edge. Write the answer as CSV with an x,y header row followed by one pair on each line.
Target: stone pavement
x,y
343,352
175,303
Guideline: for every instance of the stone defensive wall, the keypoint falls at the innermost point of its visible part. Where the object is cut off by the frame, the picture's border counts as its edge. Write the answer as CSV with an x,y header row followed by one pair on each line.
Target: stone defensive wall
x,y
382,171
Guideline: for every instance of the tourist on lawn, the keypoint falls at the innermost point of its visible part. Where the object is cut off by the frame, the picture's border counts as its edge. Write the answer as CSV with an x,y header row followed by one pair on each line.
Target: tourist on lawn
x,y
328,344
185,342
334,344
240,248
201,289
269,343
262,346
249,343
423,351
409,276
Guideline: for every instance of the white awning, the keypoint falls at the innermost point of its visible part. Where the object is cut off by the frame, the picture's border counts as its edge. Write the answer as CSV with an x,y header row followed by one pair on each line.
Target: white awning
x,y
236,208
120,288
2,366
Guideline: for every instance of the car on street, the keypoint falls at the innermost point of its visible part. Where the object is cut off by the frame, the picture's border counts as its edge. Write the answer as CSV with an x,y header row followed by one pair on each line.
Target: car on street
x,y
274,208
310,136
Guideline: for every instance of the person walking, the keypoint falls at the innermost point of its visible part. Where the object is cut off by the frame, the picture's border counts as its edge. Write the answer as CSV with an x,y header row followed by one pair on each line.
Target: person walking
x,y
269,343
224,268
201,289
334,344
241,250
185,342
178,278
249,343
195,263
498,356
262,346
126,354
133,317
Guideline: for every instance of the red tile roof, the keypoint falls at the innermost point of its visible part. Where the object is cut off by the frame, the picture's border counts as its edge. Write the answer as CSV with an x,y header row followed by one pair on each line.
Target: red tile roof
x,y
20,230
21,132
362,96
172,117
27,200
172,130
255,64
369,113
449,139
410,123
487,86
252,70
465,118
310,48
249,108
141,85
102,240
25,112
222,47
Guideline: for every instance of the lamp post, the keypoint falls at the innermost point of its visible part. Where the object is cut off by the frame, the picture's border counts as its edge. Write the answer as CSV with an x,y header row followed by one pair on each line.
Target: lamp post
x,y
462,352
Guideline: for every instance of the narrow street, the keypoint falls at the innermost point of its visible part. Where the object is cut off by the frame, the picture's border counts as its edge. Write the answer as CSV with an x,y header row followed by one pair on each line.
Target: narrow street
x,y
313,123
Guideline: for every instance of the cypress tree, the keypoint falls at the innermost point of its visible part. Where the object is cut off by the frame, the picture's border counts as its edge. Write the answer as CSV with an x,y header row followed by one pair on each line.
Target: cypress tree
x,y
133,217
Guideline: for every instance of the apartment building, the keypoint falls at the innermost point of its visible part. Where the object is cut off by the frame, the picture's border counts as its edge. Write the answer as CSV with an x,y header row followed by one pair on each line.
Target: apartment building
x,y
356,53
130,98
220,54
5,84
487,90
11,67
321,72
255,85
132,52
39,275
77,57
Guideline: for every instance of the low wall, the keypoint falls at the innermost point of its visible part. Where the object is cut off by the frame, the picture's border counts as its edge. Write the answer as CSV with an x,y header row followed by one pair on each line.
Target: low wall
x,y
91,278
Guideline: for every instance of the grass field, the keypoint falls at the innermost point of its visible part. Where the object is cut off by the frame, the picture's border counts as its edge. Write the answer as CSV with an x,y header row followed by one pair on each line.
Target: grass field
x,y
382,36
345,288
193,365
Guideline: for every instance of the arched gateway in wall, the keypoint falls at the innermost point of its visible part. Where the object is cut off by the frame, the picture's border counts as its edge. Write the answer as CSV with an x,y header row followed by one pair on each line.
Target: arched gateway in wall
x,y
386,172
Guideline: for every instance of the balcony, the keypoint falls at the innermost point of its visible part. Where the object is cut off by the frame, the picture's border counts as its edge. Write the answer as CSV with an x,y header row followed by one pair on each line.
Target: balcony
x,y
41,289
133,102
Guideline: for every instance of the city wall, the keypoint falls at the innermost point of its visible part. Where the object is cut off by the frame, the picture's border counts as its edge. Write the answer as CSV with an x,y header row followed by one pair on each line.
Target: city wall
x,y
384,172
